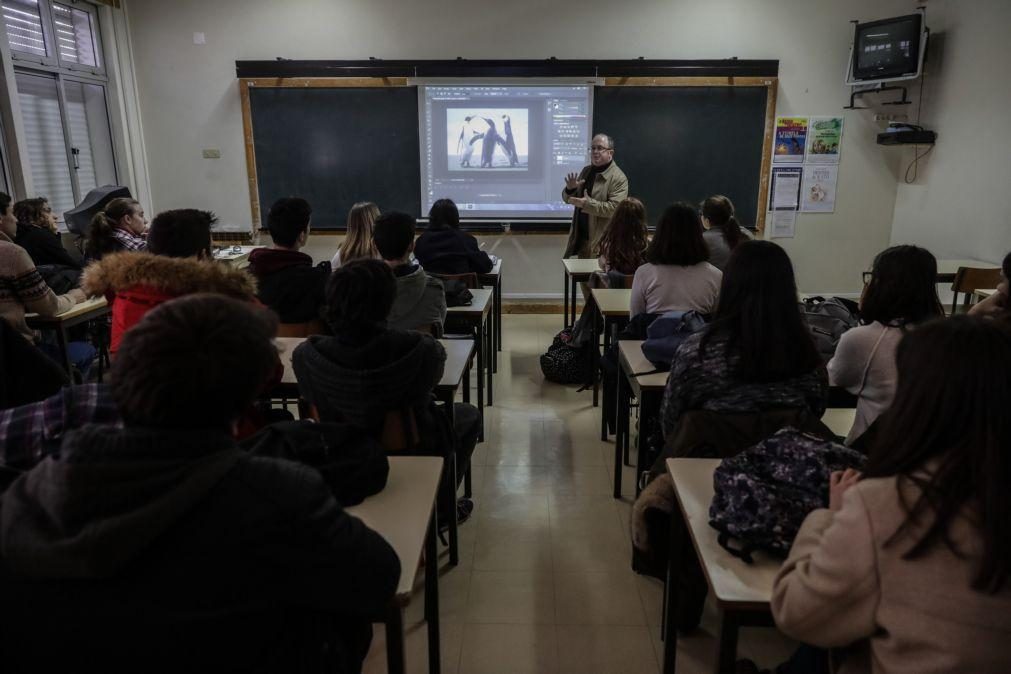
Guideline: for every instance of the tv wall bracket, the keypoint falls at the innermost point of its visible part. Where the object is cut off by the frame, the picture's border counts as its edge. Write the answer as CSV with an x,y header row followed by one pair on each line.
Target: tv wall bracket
x,y
876,89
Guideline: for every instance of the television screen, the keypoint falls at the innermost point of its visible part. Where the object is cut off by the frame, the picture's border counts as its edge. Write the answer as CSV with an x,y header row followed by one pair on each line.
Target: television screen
x,y
887,48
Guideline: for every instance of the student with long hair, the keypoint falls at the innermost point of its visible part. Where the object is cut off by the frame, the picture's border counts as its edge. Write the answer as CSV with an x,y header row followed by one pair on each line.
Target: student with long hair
x,y
358,244
723,232
757,353
443,249
121,225
677,275
622,246
908,567
900,293
37,234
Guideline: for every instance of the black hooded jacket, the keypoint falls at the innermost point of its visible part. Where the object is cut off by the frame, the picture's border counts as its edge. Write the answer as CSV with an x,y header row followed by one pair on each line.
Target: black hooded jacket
x,y
289,284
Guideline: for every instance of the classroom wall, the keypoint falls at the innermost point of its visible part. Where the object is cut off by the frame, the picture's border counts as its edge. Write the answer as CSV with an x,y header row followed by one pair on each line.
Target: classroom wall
x,y
960,204
189,96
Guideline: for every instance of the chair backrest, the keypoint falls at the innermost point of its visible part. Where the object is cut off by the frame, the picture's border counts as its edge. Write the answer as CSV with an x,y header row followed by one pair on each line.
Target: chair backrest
x,y
434,329
469,279
970,279
400,431
314,327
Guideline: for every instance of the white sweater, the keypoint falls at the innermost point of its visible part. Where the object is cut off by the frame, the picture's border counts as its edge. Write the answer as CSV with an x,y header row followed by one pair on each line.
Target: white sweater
x,y
864,364
657,288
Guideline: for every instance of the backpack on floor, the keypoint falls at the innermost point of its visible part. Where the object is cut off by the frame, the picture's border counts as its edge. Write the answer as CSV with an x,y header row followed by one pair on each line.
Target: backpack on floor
x,y
567,364
828,319
763,494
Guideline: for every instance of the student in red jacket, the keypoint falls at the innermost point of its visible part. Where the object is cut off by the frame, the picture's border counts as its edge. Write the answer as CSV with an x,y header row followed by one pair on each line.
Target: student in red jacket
x,y
178,262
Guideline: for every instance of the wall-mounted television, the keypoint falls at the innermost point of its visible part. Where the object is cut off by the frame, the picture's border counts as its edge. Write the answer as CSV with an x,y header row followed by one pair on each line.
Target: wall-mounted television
x,y
887,50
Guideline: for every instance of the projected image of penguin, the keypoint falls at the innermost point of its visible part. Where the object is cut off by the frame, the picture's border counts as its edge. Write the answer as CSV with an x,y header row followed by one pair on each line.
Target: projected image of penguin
x,y
487,139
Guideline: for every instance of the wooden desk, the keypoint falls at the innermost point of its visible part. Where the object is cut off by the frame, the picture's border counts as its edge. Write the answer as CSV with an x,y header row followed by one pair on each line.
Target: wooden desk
x,y
494,280
648,390
741,591
475,317
983,293
403,513
614,307
839,420
577,270
946,269
228,255
87,310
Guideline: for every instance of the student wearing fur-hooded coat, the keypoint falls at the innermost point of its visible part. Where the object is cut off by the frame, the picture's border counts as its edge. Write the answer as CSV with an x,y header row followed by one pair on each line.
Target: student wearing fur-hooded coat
x,y
178,262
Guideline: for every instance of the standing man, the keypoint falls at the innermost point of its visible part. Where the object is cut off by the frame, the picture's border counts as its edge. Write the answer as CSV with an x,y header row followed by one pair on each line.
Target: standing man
x,y
595,193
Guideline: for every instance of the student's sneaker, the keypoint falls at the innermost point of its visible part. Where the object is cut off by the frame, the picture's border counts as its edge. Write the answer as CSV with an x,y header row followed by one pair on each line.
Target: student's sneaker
x,y
464,509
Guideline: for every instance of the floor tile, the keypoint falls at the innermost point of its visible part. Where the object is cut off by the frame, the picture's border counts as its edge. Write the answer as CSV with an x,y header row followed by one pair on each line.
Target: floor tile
x,y
606,649
509,649
594,598
516,597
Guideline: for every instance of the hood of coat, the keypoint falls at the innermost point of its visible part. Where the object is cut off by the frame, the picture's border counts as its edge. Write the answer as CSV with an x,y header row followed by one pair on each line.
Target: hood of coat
x,y
168,275
264,261
97,505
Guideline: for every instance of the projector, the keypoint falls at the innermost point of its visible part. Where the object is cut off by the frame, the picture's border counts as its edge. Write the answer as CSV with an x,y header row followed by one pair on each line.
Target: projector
x,y
906,134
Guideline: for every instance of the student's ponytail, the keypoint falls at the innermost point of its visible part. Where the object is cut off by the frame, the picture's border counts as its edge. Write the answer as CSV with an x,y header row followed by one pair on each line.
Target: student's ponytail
x,y
100,238
719,211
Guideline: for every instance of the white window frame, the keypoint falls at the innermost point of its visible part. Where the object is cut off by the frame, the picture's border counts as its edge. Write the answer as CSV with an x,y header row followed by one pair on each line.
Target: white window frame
x,y
96,36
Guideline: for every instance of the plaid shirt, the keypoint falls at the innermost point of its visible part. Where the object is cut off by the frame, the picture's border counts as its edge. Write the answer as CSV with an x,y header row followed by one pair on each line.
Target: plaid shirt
x,y
129,240
30,433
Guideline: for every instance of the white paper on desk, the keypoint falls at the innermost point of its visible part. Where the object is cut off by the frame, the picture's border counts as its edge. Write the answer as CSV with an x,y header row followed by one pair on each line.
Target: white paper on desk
x,y
818,188
785,192
783,224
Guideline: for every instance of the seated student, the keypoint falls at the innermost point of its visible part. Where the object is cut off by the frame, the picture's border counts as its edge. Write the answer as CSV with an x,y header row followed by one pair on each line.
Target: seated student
x,y
287,281
723,233
908,569
121,225
997,304
444,249
178,262
37,234
358,242
901,292
195,555
23,290
757,354
676,276
421,299
368,369
622,246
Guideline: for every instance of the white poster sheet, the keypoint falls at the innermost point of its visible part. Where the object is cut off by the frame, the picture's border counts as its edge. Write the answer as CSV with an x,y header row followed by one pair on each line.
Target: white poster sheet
x,y
818,188
784,194
782,224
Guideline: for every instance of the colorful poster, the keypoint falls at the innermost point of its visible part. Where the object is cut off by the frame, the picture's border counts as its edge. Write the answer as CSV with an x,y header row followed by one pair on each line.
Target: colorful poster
x,y
818,188
783,224
784,194
791,133
824,139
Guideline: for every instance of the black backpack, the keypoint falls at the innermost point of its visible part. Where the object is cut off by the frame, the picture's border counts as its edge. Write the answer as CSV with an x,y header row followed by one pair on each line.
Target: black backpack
x,y
567,364
764,493
828,319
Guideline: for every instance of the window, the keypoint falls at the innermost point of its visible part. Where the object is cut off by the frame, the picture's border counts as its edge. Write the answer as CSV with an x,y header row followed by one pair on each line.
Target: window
x,y
61,83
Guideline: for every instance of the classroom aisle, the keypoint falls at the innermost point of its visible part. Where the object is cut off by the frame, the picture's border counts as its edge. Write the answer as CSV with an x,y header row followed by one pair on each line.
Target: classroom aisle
x,y
545,582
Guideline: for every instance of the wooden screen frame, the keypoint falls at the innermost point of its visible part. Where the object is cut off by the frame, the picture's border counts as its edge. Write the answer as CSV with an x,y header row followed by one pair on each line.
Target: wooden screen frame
x,y
771,85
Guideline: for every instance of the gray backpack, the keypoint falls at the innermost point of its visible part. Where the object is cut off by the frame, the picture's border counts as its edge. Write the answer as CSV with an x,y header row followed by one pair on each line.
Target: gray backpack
x,y
828,319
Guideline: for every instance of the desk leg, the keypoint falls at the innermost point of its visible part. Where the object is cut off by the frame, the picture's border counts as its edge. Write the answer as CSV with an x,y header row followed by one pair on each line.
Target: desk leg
x,y
493,334
668,622
432,597
572,300
490,351
648,406
448,495
61,339
607,345
395,640
565,296
621,418
498,312
479,360
595,354
727,643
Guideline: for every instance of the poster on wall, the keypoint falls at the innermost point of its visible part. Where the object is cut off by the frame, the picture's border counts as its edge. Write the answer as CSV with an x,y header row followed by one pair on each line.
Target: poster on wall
x,y
818,188
824,140
784,195
791,133
783,224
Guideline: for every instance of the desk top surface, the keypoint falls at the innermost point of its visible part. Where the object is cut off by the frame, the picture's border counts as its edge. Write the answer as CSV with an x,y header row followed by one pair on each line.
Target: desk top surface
x,y
839,420
984,292
400,513
733,582
229,254
613,301
458,352
581,265
96,304
496,269
951,266
479,306
632,361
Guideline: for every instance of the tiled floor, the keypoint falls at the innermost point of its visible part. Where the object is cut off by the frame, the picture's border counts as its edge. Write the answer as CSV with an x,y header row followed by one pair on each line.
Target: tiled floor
x,y
545,582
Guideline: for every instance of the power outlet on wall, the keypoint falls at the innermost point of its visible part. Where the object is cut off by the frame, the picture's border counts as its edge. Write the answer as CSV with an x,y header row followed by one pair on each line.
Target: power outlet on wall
x,y
211,153
891,117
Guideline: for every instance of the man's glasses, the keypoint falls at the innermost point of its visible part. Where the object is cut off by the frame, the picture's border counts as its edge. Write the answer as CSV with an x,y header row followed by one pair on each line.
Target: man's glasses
x,y
599,148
